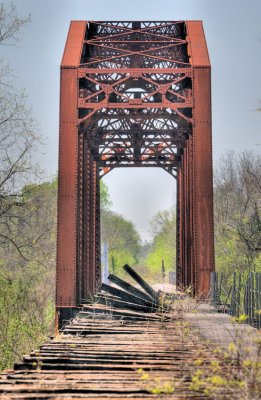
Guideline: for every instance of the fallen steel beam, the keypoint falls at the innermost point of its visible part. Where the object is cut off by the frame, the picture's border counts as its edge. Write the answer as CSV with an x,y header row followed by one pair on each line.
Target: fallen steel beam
x,y
128,287
118,303
141,282
126,296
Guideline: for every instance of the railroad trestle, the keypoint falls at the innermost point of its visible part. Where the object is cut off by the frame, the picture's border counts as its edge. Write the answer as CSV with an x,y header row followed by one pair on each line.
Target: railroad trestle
x,y
133,94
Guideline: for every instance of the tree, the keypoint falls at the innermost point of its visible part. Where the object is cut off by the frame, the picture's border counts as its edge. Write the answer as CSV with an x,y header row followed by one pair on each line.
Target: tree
x,y
164,242
27,280
122,238
27,217
104,196
11,23
18,137
238,211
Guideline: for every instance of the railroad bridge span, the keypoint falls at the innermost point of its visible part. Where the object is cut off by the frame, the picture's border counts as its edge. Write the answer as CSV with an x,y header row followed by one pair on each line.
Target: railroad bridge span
x,y
133,94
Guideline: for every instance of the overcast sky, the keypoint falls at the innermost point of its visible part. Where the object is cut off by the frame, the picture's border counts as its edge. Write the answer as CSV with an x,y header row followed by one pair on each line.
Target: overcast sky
x,y
233,33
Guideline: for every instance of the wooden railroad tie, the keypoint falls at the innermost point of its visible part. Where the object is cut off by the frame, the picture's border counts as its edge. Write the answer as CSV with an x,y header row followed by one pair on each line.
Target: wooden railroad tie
x,y
124,345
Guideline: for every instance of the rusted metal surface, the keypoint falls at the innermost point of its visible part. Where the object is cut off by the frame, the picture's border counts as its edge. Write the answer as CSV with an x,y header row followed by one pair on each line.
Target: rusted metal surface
x,y
203,225
133,94
144,285
66,280
128,287
145,299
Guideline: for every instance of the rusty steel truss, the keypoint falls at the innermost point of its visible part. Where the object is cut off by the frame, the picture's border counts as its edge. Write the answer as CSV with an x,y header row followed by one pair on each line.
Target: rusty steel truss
x,y
133,94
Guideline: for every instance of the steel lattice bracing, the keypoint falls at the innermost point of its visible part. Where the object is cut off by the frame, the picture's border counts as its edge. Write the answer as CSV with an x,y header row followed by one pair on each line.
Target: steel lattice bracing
x,y
133,94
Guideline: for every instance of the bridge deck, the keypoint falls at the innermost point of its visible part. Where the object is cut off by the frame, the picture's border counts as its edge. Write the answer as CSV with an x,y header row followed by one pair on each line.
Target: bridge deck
x,y
99,358
121,351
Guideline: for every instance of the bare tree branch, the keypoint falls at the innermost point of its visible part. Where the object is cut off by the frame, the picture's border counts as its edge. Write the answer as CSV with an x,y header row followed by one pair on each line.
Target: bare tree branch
x,y
10,24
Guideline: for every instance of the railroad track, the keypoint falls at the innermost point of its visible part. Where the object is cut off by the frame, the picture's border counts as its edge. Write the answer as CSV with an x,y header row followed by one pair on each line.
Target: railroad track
x,y
107,358
111,351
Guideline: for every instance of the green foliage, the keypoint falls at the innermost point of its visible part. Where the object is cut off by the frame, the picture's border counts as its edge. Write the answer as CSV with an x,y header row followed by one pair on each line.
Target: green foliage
x,y
229,255
25,318
164,388
257,263
122,238
155,386
237,194
164,242
234,372
121,257
104,196
27,263
27,273
240,379
27,216
241,319
161,250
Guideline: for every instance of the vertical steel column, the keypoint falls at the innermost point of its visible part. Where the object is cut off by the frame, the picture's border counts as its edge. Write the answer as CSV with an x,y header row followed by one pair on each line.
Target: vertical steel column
x,y
80,228
187,244
91,225
94,266
67,235
190,206
86,215
97,261
182,220
203,228
187,213
179,245
184,228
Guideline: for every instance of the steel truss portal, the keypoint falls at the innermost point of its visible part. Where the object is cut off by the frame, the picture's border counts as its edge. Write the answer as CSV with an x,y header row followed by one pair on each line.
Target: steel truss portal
x,y
133,94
